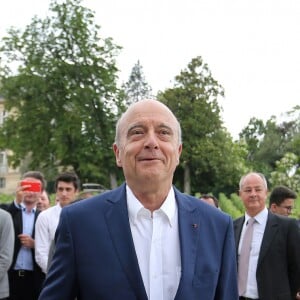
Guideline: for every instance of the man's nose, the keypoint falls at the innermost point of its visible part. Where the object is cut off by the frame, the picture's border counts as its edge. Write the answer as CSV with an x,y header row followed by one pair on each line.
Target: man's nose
x,y
253,193
151,141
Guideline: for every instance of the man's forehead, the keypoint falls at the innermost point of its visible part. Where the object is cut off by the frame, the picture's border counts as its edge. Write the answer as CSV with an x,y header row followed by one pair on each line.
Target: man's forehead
x,y
147,120
31,179
253,179
64,183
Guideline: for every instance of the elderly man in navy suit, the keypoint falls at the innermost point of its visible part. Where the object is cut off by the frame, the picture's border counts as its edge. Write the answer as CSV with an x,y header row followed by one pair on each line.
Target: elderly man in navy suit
x,y
145,239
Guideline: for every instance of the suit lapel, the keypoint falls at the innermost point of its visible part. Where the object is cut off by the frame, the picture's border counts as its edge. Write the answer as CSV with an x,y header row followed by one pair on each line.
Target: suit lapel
x,y
36,214
270,231
238,225
119,227
189,226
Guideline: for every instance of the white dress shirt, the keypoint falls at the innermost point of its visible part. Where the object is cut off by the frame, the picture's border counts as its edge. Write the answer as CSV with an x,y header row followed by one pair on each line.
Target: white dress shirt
x,y
156,241
258,232
45,229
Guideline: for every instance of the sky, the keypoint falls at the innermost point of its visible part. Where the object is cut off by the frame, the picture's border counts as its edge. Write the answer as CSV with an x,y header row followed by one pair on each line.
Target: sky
x,y
251,47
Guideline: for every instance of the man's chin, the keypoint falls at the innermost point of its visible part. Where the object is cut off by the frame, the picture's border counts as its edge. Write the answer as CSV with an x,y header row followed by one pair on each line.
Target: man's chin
x,y
26,203
29,201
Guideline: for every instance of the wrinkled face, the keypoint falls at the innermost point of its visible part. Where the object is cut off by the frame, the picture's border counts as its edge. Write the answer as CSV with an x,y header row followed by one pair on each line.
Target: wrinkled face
x,y
284,208
253,194
149,147
43,201
65,193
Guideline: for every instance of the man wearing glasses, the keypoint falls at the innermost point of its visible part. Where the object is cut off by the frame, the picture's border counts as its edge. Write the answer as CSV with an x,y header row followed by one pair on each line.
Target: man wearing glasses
x,y
282,200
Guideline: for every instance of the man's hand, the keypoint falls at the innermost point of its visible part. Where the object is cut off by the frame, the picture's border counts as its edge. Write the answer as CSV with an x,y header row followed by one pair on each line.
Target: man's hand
x,y
26,240
21,193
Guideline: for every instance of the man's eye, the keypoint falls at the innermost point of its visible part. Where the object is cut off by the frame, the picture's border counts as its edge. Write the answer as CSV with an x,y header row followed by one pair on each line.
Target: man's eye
x,y
137,131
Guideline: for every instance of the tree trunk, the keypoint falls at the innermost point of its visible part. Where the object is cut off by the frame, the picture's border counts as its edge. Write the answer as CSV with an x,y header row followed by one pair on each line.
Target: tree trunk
x,y
187,179
113,180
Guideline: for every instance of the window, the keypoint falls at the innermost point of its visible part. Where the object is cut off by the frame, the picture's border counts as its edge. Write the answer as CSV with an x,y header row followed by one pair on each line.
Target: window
x,y
2,158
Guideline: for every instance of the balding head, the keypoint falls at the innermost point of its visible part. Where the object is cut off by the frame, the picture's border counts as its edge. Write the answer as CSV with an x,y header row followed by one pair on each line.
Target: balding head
x,y
142,105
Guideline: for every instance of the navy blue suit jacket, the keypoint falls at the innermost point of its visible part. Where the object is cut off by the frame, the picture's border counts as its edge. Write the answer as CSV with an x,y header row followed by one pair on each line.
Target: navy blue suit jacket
x,y
95,256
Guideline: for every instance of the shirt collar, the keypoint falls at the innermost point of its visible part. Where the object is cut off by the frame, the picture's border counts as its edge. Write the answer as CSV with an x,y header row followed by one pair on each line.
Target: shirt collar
x,y
260,218
23,207
169,206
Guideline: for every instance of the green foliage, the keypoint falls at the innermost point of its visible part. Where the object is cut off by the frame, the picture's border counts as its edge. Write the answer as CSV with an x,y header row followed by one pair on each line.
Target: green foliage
x,y
63,97
6,198
268,143
136,88
214,162
296,210
228,206
287,172
58,78
237,202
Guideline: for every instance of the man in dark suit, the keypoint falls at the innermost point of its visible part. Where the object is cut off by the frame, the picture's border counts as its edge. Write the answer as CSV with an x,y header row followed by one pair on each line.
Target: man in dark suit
x,y
282,200
274,263
145,239
25,277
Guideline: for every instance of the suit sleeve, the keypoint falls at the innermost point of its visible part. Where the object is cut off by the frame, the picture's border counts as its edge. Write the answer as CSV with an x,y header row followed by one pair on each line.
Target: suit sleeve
x,y
60,280
42,241
6,243
227,286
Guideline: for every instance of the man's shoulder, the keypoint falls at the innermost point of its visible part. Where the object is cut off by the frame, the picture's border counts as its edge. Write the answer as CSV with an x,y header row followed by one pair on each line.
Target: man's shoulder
x,y
4,215
238,220
191,203
47,213
98,201
283,221
280,218
4,212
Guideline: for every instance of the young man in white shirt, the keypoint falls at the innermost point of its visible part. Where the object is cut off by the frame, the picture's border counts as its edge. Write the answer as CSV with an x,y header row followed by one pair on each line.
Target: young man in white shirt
x,y
67,187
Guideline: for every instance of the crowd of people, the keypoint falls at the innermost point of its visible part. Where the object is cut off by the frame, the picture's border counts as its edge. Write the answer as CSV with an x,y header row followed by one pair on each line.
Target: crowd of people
x,y
146,239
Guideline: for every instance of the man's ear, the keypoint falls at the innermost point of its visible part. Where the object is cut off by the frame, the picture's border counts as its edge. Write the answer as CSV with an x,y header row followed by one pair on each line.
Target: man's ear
x,y
273,207
117,155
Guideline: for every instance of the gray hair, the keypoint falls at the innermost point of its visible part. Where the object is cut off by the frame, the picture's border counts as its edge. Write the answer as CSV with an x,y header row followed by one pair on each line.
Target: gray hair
x,y
262,176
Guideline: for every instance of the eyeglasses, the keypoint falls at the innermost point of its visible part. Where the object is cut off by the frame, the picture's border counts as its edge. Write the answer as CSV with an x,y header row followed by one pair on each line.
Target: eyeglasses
x,y
288,208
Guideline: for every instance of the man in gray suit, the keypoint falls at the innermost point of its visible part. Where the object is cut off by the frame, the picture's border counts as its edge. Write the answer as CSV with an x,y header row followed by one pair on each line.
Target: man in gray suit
x,y
7,240
274,262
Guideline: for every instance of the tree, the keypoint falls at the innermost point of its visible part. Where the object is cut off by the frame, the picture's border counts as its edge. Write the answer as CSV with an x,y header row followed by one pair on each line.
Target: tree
x,y
62,96
267,143
287,172
208,160
136,88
